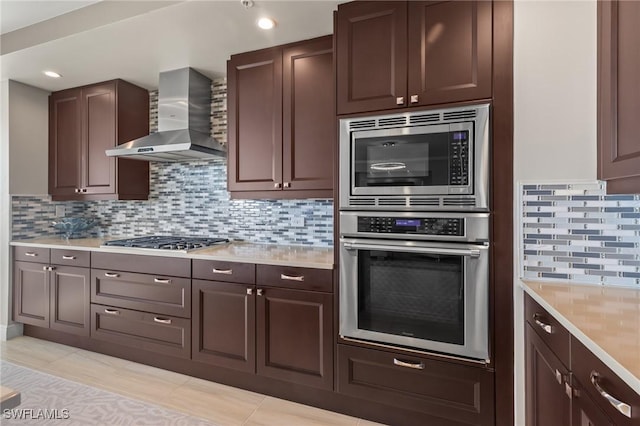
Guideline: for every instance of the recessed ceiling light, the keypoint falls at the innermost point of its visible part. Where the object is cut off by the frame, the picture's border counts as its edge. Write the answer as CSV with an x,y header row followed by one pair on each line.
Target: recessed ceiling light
x,y
52,74
266,23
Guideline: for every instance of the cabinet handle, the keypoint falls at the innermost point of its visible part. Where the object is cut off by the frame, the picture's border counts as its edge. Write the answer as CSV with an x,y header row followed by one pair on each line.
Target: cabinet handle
x,y
111,275
48,268
84,189
112,311
559,377
162,280
546,327
400,100
292,277
277,185
31,254
415,366
77,190
65,257
414,99
287,185
568,390
249,291
162,320
222,271
260,292
622,407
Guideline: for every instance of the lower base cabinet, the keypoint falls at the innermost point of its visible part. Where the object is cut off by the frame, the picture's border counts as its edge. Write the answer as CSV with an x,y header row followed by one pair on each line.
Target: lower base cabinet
x,y
453,394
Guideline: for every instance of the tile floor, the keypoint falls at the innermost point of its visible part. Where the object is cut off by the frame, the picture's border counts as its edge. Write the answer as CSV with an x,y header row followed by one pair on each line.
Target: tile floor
x,y
222,405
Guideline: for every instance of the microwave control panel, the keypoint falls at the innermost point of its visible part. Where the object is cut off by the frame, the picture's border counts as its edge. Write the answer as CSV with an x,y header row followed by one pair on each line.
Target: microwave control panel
x,y
422,226
459,159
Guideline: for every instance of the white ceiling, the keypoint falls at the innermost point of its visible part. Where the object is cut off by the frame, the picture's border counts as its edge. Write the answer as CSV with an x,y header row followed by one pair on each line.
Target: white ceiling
x,y
20,14
136,40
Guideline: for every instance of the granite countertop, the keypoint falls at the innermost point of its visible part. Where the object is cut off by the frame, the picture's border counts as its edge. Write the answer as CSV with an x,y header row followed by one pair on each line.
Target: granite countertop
x,y
266,254
604,319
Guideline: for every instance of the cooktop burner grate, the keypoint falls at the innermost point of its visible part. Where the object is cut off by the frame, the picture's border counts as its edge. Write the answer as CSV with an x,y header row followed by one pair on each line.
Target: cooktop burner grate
x,y
161,242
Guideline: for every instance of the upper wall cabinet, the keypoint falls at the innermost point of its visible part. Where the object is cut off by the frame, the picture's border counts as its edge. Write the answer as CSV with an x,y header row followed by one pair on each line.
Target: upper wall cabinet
x,y
83,123
281,107
393,54
619,95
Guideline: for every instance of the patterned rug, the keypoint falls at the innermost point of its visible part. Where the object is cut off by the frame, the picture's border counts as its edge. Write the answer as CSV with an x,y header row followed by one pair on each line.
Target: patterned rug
x,y
50,400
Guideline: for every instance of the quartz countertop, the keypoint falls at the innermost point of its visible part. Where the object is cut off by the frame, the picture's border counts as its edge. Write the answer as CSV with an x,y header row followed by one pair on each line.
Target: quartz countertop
x,y
266,254
604,319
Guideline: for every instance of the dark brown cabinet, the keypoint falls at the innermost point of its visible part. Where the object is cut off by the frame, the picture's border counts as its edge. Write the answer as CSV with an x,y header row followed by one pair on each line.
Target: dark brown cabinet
x,y
423,53
618,97
281,112
83,123
49,295
585,412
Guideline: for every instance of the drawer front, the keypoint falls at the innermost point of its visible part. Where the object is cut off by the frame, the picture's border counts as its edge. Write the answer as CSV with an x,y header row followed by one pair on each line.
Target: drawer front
x,y
455,392
295,278
151,293
31,254
163,334
172,266
232,272
70,257
548,328
598,379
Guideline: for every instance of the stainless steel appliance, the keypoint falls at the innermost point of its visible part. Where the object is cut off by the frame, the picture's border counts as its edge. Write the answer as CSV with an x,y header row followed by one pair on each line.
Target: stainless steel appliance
x,y
418,160
162,242
417,280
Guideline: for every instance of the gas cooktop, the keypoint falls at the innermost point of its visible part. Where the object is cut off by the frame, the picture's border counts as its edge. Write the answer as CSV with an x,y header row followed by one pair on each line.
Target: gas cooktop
x,y
162,242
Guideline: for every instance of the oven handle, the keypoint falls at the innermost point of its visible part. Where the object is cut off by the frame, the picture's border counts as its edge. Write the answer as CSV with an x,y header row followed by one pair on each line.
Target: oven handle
x,y
425,250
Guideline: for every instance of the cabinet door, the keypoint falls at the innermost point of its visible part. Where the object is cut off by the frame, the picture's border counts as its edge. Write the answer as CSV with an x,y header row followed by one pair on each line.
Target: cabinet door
x,y
584,411
618,97
308,122
98,134
31,293
70,305
255,121
295,336
449,47
65,142
224,325
547,402
371,55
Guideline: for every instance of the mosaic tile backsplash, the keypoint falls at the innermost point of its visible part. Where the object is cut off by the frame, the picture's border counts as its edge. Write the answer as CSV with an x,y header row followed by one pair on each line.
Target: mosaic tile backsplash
x,y
187,198
577,232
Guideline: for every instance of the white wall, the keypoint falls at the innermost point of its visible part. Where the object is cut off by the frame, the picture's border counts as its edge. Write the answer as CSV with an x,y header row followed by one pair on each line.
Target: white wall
x,y
554,113
28,136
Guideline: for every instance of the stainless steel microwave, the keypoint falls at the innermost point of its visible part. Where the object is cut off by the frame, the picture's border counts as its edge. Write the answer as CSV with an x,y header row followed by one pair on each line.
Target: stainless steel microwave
x,y
418,160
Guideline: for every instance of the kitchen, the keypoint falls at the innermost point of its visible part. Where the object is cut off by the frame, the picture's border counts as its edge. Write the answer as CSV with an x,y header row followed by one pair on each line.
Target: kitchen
x,y
545,64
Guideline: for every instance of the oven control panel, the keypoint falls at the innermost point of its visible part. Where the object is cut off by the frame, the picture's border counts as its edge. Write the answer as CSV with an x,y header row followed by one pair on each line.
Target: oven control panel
x,y
422,226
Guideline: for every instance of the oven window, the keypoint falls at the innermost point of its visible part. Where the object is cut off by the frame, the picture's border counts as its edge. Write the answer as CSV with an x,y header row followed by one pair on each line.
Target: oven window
x,y
406,160
412,295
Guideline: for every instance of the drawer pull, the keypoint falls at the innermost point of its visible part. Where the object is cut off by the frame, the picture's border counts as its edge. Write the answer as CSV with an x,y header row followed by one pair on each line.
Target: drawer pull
x,y
415,366
292,277
48,268
622,407
67,257
222,271
31,254
546,327
112,311
260,292
249,291
559,377
162,320
111,275
162,280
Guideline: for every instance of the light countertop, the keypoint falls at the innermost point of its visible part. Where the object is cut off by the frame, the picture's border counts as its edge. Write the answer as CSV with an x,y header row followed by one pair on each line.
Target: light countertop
x,y
266,254
604,319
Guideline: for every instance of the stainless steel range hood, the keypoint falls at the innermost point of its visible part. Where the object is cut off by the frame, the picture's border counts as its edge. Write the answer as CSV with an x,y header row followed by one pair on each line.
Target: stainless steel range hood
x,y
184,114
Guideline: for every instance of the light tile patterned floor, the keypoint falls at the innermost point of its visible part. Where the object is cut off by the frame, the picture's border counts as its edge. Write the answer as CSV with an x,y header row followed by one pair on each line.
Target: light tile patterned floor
x,y
221,404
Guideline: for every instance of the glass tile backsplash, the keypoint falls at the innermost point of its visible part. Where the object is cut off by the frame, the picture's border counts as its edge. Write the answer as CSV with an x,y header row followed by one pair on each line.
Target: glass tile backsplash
x,y
577,232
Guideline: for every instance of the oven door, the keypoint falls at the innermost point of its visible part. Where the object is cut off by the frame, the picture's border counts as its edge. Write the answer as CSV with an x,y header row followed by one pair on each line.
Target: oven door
x,y
429,296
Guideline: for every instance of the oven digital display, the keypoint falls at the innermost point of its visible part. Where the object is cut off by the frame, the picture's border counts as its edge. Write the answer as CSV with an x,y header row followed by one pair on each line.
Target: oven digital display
x,y
408,222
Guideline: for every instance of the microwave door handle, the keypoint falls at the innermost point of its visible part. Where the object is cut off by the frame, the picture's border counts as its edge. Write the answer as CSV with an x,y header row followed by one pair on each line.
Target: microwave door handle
x,y
425,250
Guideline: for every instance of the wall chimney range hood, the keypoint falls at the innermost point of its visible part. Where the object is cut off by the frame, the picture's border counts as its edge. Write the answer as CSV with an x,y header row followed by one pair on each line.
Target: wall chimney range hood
x,y
184,115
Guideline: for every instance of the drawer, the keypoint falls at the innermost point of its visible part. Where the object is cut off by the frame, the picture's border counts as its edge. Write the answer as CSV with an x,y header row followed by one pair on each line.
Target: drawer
x,y
548,328
162,334
459,393
296,278
31,254
232,272
596,378
70,257
157,265
150,293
